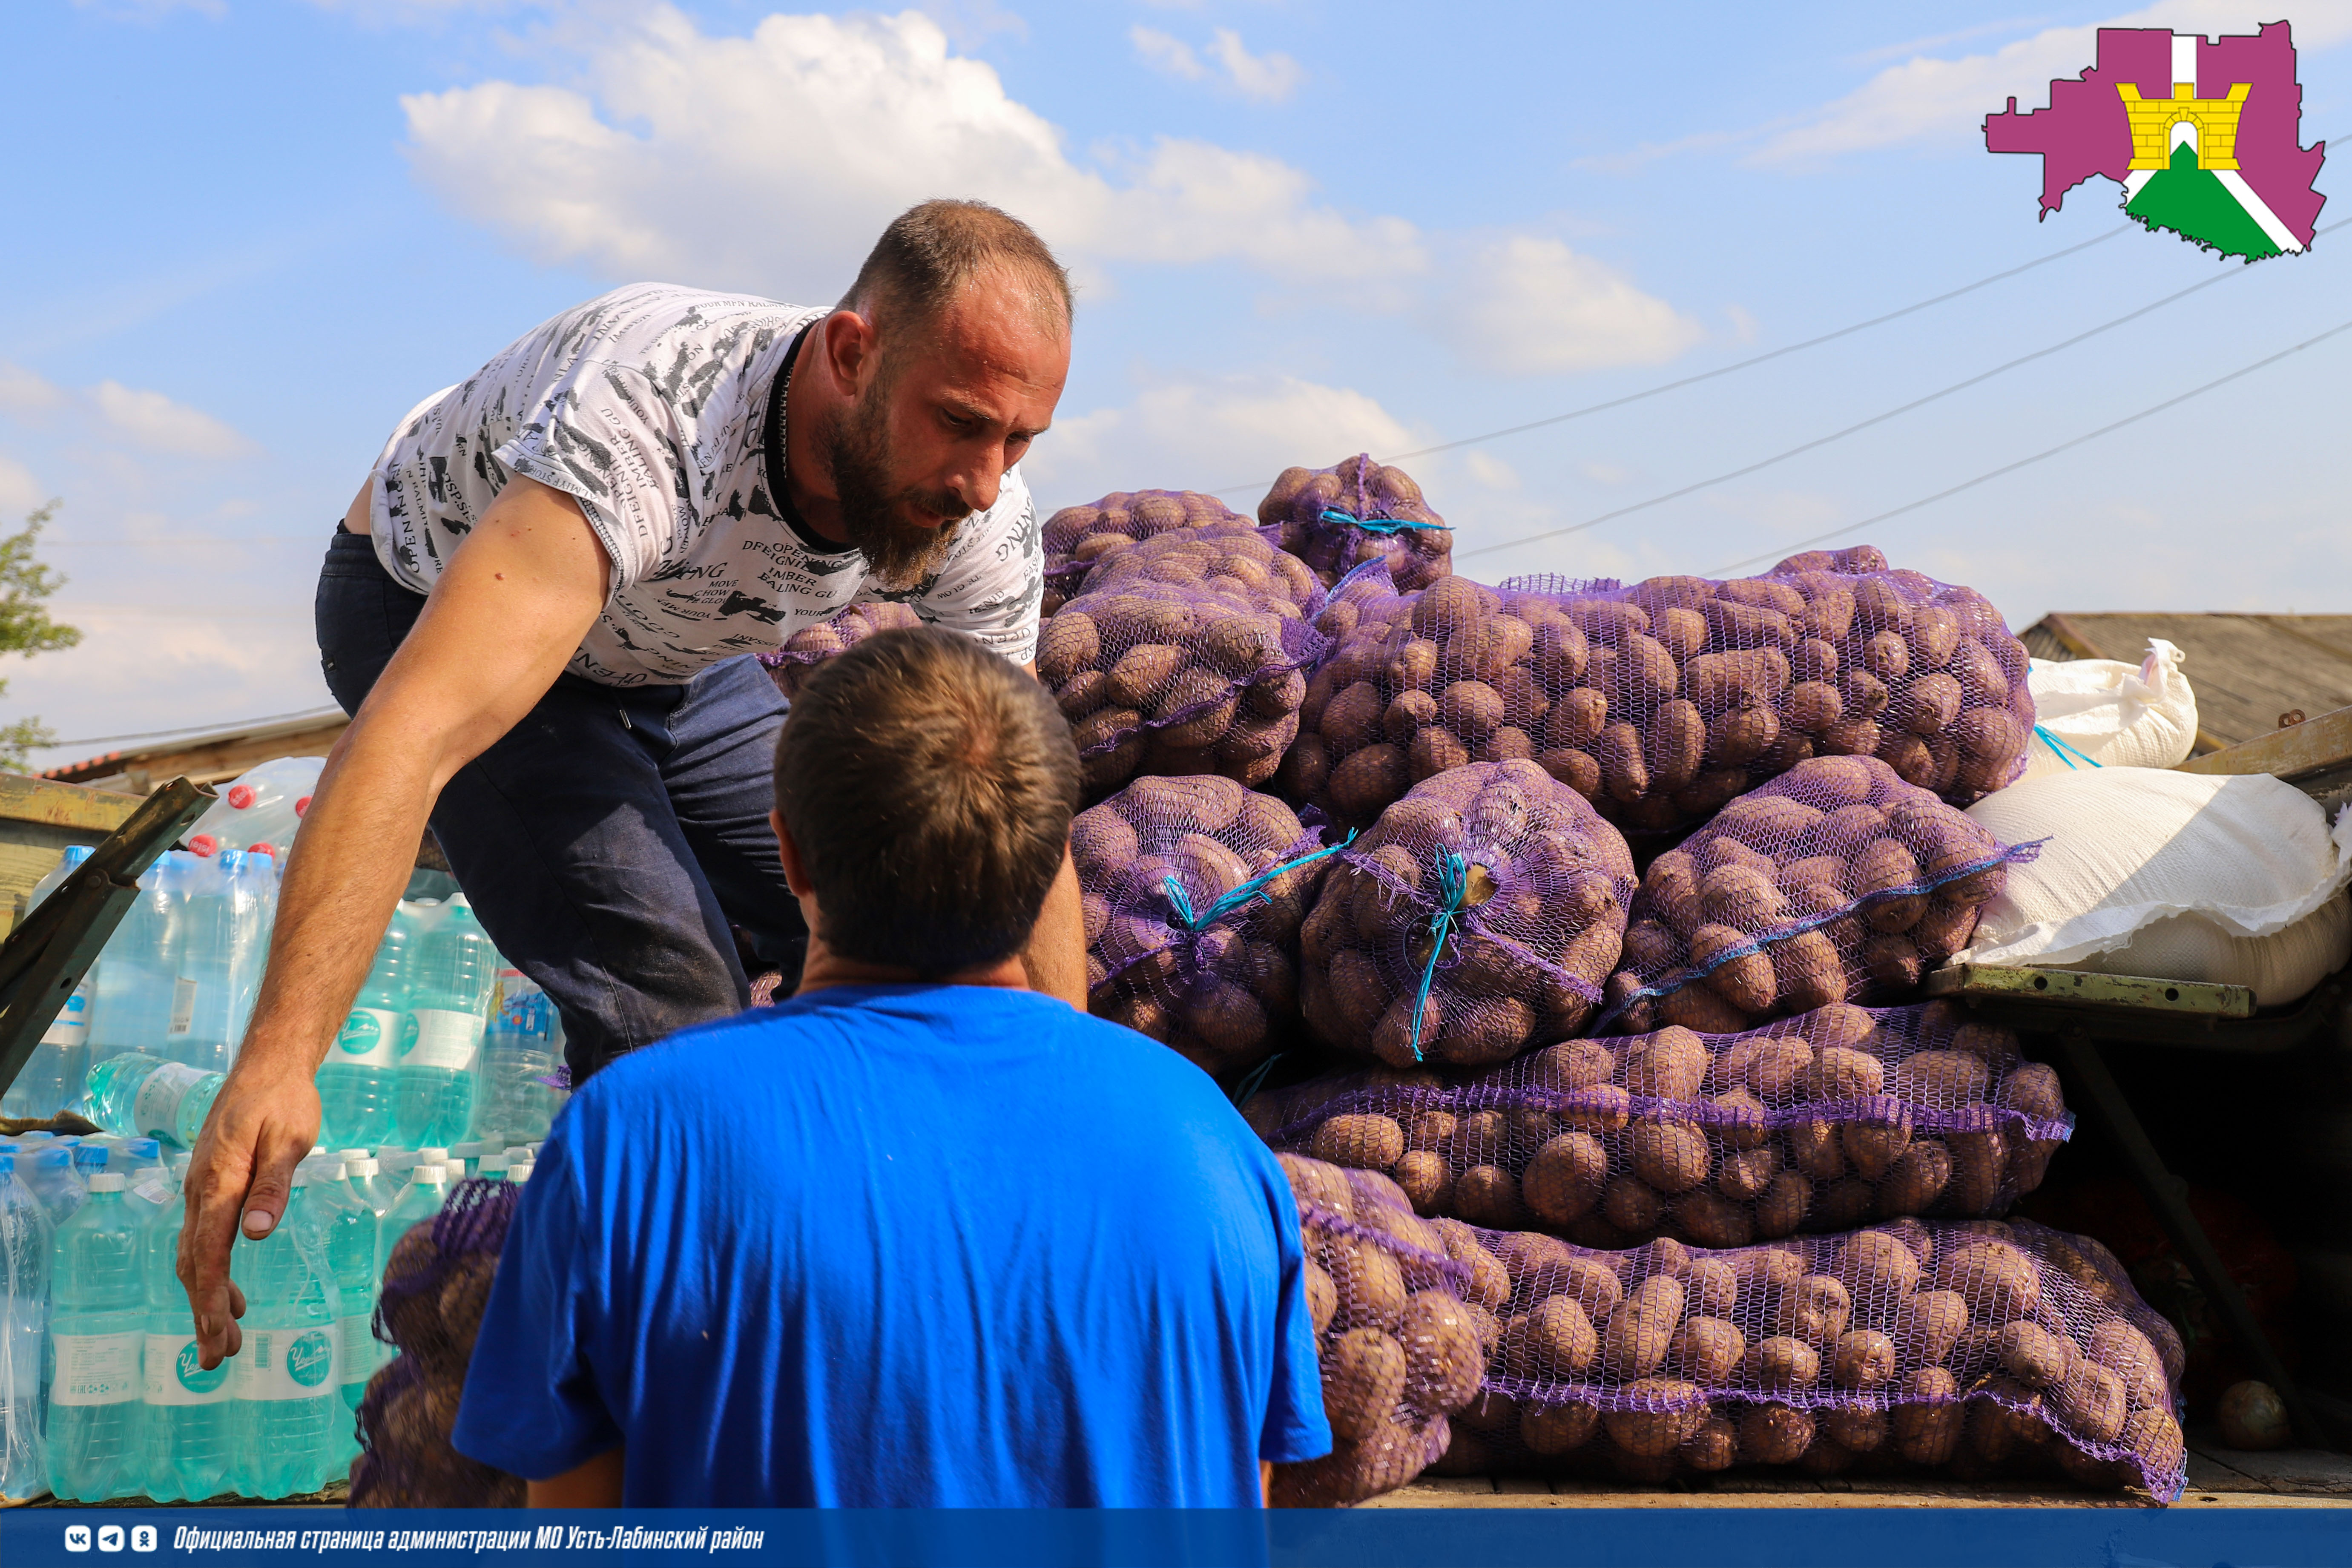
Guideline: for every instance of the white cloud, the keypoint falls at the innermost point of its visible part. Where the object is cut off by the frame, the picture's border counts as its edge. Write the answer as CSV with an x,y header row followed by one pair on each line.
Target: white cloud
x,y
1531,306
160,425
26,392
1165,52
1928,98
1190,435
1268,78
770,161
1491,471
20,492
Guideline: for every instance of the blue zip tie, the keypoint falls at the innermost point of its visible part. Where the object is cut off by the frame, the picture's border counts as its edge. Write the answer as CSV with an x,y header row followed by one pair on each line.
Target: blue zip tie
x,y
1453,881
1378,525
2062,749
1246,893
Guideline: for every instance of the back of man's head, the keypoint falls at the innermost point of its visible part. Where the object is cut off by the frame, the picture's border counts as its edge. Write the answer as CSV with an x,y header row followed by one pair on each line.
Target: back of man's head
x,y
931,253
928,786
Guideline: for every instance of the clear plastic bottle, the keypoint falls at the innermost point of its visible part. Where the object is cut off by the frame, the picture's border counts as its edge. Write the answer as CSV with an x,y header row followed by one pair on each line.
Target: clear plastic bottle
x,y
261,809
522,1047
97,1329
252,911
52,1081
190,1417
346,1225
290,1418
198,952
49,1176
518,1172
147,1186
365,1177
451,986
26,1241
493,1167
418,1202
138,1095
355,1082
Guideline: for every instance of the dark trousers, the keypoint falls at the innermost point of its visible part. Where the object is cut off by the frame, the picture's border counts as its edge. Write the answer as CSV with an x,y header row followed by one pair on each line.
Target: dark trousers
x,y
608,840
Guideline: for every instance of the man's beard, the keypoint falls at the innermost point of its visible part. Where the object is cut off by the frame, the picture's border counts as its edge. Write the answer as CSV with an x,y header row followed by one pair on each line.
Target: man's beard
x,y
901,551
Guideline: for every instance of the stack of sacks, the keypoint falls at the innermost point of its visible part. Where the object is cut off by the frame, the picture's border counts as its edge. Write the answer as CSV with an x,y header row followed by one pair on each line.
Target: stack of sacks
x,y
1357,510
1077,537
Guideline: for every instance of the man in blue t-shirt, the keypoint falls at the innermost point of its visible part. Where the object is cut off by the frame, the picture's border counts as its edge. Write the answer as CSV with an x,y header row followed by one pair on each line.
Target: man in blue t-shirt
x,y
918,1236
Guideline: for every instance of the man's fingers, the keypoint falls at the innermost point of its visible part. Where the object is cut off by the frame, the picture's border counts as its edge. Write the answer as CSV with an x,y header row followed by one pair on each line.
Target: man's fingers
x,y
272,1185
215,1196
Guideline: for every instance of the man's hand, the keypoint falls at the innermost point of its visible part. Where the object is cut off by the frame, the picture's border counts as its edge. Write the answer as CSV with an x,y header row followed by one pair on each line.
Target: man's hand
x,y
240,1176
501,624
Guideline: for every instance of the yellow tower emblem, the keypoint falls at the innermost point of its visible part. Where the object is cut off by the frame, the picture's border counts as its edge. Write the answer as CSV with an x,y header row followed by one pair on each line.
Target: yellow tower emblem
x,y
2214,122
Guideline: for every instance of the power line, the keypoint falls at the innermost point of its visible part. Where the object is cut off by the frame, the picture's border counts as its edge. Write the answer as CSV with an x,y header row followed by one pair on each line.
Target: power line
x,y
1664,387
198,729
1786,550
1881,418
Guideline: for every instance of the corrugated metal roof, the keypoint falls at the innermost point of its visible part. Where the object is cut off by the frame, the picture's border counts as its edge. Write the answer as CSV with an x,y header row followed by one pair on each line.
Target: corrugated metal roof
x,y
2246,671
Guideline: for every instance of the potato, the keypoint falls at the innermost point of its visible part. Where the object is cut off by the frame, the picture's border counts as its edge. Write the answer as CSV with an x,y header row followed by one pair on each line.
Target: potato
x,y
1945,1080
1707,1351
1559,1338
1999,1283
2090,1400
1674,1411
2033,1355
1371,1143
1816,1310
1774,1434
1816,1149
1363,1380
1671,1156
1444,1361
1928,1325
1711,1287
1634,1343
1669,1065
2126,1351
1563,1182
1322,1296
1426,1179
1780,1070
1862,1359
1781,1362
1927,1433
1713,1446
1856,1430
1784,1204
1557,1429
1371,1285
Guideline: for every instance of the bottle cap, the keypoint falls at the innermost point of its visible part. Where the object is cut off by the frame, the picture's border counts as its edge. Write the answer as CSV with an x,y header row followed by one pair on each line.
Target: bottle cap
x,y
519,1173
518,1152
494,1166
352,1154
144,1149
301,1177
360,1169
432,1175
180,1163
89,1155
472,1150
433,1156
106,1181
61,1158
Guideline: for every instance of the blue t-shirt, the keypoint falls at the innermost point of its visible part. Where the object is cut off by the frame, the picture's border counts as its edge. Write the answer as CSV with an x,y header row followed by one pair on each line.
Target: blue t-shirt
x,y
902,1246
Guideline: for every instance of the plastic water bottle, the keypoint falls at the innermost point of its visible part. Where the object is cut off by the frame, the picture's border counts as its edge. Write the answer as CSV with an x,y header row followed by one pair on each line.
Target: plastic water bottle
x,y
146,1185
355,1082
97,1330
418,1202
346,1227
52,1081
189,1417
518,1172
466,1159
365,1177
261,809
250,900
48,1178
138,984
450,986
523,1047
493,1168
26,1240
288,1412
137,1095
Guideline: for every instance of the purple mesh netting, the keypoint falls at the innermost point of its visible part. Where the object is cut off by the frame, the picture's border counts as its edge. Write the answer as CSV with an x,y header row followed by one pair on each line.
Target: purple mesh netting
x,y
1192,935
435,1285
1970,1350
1398,1349
1077,537
1662,701
1818,1123
1336,518
1481,913
1836,881
812,646
1185,654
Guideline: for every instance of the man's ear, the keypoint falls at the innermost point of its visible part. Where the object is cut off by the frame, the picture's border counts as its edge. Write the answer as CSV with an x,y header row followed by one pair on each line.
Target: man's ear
x,y
795,873
852,351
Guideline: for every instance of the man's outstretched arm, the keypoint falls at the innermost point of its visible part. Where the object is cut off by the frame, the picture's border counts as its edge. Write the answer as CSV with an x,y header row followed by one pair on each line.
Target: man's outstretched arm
x,y
504,618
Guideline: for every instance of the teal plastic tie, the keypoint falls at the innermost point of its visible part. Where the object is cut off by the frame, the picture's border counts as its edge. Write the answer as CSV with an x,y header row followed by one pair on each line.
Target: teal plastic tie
x,y
1453,880
2066,753
1242,896
1378,524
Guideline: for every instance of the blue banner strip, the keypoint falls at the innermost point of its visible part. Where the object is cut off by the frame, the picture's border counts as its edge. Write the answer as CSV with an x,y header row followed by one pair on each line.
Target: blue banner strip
x,y
2287,1533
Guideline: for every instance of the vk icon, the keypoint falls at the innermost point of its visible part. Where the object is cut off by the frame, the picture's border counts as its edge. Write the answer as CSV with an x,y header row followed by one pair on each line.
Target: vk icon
x,y
109,1538
77,1538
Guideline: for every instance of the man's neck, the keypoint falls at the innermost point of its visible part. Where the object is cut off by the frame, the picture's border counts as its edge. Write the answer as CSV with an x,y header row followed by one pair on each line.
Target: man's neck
x,y
823,969
810,409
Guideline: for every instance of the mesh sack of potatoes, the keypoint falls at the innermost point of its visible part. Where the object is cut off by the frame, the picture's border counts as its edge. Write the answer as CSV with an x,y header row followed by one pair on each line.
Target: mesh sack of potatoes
x,y
1836,881
1193,891
1186,654
1818,1123
437,1284
1398,1346
1077,537
1336,518
1966,1350
812,646
1481,913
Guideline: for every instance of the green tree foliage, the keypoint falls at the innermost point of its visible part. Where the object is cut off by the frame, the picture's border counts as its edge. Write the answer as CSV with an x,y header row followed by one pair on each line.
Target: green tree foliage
x,y
26,624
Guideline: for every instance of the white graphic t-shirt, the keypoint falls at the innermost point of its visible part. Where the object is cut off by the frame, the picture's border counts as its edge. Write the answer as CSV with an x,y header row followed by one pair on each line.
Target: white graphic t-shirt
x,y
650,406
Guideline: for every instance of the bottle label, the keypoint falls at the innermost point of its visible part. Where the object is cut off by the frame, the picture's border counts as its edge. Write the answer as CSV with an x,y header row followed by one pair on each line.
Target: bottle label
x,y
156,1110
286,1363
183,1005
96,1369
174,1375
72,1025
441,1038
153,1185
358,1351
370,1039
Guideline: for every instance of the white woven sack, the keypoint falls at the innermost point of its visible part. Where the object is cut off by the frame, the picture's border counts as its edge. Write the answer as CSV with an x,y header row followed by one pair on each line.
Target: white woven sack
x,y
2116,714
2225,873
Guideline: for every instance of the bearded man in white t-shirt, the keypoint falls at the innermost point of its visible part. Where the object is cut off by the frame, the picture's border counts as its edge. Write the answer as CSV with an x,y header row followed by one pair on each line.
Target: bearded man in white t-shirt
x,y
540,612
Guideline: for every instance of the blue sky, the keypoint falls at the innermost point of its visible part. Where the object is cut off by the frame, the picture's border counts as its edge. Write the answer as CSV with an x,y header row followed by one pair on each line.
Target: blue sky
x,y
246,235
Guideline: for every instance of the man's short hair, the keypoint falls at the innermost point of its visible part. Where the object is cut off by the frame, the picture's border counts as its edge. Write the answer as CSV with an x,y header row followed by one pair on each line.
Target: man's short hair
x,y
930,253
930,786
